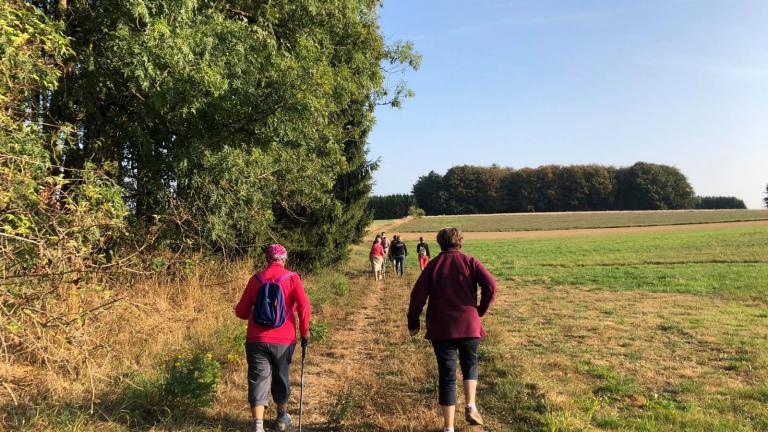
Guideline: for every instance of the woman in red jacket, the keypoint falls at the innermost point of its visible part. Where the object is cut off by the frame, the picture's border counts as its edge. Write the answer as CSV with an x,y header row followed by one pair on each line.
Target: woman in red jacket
x,y
377,258
269,350
453,319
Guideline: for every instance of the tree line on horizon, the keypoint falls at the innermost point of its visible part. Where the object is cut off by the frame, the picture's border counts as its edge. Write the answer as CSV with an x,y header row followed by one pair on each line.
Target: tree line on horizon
x,y
467,189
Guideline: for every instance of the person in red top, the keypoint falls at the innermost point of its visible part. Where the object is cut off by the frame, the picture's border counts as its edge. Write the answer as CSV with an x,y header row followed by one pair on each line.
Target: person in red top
x,y
377,258
269,350
450,282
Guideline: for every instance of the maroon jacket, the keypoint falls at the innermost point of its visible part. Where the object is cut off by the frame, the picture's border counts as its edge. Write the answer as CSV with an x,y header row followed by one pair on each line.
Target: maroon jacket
x,y
450,281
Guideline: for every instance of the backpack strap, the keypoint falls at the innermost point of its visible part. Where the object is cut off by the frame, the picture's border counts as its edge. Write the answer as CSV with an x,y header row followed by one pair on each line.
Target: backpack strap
x,y
284,277
261,279
278,280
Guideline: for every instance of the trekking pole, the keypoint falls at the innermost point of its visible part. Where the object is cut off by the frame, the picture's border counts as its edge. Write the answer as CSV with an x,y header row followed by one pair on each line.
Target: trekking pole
x,y
301,385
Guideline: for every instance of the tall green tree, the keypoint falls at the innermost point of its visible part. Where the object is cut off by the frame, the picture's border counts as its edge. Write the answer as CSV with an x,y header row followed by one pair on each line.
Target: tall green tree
x,y
231,122
719,202
646,186
391,206
429,193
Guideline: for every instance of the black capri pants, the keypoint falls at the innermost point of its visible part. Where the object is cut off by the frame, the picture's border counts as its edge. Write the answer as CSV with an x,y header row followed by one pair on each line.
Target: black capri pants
x,y
268,367
445,351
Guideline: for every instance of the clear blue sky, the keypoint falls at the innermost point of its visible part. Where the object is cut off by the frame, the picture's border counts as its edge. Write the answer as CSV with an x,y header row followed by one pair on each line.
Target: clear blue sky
x,y
534,82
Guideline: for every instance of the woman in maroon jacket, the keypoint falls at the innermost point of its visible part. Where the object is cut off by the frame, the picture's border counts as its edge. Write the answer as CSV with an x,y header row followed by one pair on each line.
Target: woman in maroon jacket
x,y
453,319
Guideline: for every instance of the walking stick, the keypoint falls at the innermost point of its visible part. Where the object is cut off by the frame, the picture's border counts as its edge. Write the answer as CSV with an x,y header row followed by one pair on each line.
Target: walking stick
x,y
301,384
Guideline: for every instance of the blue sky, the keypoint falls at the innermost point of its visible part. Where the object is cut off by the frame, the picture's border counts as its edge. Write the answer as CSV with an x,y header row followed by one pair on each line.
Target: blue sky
x,y
534,82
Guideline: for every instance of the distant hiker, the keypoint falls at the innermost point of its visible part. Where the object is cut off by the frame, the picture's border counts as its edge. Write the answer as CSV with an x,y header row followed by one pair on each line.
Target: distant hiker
x,y
377,258
385,243
422,250
453,319
270,343
398,251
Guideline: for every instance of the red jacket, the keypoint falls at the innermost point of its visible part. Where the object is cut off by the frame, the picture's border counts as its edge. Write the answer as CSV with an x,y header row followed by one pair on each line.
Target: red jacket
x,y
377,250
450,282
295,301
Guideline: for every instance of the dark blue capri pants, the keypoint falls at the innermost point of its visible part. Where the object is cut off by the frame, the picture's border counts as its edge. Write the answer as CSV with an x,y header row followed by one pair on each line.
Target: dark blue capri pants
x,y
268,367
446,352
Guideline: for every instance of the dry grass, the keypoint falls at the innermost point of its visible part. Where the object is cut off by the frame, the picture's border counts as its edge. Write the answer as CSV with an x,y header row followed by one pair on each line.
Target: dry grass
x,y
606,358
158,320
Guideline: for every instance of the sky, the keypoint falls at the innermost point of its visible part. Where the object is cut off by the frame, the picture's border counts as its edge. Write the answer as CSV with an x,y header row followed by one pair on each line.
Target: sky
x,y
533,82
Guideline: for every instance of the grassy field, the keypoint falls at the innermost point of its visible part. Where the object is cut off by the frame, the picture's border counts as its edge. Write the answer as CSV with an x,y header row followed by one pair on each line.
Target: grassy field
x,y
726,261
639,332
658,331
556,221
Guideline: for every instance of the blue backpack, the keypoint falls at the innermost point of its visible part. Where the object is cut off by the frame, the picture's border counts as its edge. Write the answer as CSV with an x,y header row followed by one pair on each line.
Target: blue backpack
x,y
269,308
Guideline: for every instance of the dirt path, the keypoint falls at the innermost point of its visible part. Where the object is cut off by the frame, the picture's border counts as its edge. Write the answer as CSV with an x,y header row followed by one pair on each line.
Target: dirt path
x,y
369,375
342,358
495,235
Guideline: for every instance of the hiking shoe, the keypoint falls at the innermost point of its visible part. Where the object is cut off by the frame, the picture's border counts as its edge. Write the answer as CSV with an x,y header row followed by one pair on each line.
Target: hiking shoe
x,y
472,416
256,427
283,422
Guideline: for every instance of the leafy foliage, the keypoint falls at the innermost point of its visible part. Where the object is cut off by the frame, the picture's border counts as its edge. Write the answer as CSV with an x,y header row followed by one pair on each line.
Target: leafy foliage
x,y
429,194
391,206
233,123
58,226
719,202
192,381
205,125
188,383
471,189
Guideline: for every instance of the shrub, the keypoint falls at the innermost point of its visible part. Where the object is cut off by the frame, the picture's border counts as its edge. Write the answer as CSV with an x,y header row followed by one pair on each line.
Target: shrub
x,y
192,382
416,212
318,331
188,383
225,342
341,287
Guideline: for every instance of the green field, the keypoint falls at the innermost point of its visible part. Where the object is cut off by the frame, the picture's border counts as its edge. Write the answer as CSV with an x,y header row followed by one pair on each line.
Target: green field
x,y
726,261
556,221
630,332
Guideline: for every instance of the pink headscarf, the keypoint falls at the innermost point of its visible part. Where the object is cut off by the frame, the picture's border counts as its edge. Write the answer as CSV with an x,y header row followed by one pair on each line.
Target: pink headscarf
x,y
276,252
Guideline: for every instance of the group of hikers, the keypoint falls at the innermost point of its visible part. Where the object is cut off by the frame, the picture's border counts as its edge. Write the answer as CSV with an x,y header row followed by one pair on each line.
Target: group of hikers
x,y
448,284
396,250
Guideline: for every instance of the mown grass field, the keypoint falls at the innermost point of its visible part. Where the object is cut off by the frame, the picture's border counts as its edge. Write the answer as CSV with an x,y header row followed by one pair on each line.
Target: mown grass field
x,y
639,332
557,221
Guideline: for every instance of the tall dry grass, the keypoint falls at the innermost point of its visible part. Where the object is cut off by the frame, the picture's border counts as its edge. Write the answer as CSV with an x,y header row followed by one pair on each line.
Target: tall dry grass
x,y
157,318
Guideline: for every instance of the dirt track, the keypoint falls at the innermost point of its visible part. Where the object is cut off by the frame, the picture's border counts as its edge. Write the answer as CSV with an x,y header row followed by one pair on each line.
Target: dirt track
x,y
495,235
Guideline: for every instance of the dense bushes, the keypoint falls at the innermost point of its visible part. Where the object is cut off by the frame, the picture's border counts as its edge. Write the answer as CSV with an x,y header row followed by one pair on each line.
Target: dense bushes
x,y
203,113
471,189
391,206
132,131
719,202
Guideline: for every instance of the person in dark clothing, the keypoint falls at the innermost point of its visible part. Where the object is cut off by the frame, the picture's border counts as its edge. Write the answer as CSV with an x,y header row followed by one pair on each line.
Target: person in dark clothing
x,y
398,251
422,250
450,283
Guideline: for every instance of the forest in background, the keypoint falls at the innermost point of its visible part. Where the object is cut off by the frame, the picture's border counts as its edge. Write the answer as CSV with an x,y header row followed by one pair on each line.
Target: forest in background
x,y
467,189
